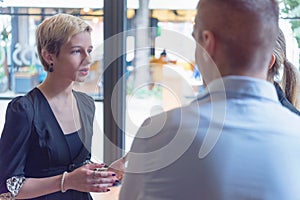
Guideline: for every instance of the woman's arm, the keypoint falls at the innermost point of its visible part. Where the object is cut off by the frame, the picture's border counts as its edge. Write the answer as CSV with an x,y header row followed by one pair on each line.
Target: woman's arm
x,y
35,187
84,179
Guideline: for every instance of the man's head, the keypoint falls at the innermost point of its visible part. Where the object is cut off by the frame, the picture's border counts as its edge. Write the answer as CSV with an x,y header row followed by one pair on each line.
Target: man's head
x,y
239,36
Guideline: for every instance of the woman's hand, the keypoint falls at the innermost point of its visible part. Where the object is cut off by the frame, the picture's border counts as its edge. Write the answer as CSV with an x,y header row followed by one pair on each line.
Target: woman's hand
x,y
88,178
118,167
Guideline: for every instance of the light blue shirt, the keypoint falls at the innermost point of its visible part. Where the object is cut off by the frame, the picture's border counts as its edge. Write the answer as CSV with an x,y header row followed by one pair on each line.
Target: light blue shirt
x,y
236,142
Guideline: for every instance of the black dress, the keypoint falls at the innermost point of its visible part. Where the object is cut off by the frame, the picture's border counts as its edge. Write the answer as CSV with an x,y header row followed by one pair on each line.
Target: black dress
x,y
33,144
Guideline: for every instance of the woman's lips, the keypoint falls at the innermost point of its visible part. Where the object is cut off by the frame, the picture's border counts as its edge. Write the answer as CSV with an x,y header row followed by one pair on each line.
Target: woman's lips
x,y
84,71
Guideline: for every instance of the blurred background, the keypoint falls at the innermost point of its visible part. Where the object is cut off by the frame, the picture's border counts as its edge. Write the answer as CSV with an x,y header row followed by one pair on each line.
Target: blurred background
x,y
153,70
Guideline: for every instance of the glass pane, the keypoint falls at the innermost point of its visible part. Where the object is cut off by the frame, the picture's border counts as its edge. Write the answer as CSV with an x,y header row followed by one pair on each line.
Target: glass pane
x,y
20,68
160,71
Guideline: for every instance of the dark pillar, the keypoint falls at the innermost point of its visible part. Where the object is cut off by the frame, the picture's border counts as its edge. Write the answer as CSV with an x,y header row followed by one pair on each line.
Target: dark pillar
x,y
114,124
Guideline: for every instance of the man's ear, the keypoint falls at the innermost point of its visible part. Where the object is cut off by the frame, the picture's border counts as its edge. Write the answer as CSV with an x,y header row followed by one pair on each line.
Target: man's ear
x,y
208,42
272,61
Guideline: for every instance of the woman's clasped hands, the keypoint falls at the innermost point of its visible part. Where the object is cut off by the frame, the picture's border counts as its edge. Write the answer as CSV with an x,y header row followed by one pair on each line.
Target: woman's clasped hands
x,y
90,178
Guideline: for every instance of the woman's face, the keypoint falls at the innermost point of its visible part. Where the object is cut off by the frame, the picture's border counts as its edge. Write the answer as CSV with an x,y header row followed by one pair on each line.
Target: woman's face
x,y
74,59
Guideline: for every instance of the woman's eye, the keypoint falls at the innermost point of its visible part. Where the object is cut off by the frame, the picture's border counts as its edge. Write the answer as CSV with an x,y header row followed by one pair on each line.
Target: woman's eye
x,y
90,51
76,51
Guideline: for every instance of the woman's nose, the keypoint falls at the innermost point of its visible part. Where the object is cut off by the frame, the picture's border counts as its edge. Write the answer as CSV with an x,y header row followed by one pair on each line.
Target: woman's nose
x,y
88,58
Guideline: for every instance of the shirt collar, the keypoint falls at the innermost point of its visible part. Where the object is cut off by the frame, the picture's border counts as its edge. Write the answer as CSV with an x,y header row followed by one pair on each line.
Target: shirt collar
x,y
243,86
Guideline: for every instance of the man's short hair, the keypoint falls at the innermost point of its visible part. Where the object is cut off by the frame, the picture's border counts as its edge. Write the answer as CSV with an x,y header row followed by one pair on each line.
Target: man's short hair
x,y
242,26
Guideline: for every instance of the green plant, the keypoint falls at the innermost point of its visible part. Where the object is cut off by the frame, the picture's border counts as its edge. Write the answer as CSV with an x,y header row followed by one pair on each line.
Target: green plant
x,y
4,34
2,73
291,10
4,37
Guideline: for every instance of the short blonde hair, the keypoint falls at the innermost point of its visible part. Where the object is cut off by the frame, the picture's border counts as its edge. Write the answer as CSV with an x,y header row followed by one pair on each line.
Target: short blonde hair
x,y
57,30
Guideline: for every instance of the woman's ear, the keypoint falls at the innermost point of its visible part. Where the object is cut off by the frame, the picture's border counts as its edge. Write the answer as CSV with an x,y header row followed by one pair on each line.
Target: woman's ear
x,y
209,42
272,61
47,56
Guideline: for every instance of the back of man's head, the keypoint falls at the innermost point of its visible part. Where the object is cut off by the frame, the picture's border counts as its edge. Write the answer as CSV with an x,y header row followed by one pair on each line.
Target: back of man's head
x,y
245,30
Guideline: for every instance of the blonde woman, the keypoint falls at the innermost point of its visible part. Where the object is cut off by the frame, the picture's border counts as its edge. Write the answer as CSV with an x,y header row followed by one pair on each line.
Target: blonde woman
x,y
46,140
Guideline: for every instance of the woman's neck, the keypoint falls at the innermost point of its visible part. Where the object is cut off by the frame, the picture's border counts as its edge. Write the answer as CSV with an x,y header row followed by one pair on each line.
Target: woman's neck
x,y
56,89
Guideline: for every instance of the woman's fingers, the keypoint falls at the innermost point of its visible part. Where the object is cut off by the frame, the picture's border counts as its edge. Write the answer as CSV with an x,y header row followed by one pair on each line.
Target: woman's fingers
x,y
101,187
93,166
91,178
104,174
103,177
104,180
